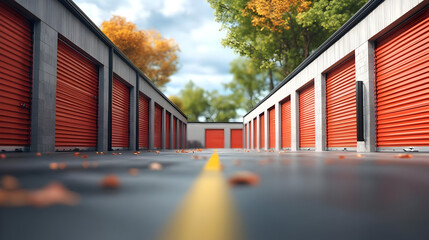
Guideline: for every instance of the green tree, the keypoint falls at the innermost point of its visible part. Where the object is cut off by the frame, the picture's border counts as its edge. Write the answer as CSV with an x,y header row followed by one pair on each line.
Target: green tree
x,y
195,101
280,32
222,108
177,101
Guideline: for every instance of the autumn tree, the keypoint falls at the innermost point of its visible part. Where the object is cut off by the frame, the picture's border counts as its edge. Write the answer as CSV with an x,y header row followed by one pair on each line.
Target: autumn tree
x,y
280,32
176,101
154,55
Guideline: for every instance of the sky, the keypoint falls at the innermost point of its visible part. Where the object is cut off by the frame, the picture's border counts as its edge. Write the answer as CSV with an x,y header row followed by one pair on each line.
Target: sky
x,y
190,22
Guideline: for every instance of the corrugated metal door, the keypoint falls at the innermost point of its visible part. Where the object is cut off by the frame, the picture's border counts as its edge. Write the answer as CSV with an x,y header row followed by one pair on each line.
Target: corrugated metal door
x,y
402,85
143,121
236,138
286,126
16,56
167,130
255,140
272,126
158,127
120,113
215,138
77,99
245,135
174,132
180,134
306,117
262,130
341,105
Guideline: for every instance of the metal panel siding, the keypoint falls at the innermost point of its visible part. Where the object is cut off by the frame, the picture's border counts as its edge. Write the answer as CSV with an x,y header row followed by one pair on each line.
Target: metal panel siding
x,y
402,85
245,135
236,138
286,124
255,140
215,138
167,130
341,105
143,121
180,134
262,130
272,126
16,49
158,127
120,114
174,132
76,100
306,117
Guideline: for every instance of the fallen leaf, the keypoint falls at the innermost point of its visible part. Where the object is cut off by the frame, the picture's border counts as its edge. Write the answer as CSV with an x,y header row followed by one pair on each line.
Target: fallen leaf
x,y
244,178
63,165
155,166
341,157
53,193
53,166
47,154
76,154
135,153
133,171
360,156
157,152
2,156
405,156
110,181
9,182
39,154
177,151
237,162
195,157
84,156
102,153
96,153
120,153
85,164
94,165
113,153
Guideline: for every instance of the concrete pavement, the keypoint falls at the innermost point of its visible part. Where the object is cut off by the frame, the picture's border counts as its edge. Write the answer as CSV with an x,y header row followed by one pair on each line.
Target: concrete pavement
x,y
302,195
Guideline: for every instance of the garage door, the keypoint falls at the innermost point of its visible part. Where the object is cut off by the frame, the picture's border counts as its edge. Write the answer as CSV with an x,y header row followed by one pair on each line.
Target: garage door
x,y
143,121
236,138
16,54
306,117
286,127
174,132
255,140
167,130
272,127
215,138
120,113
77,99
341,106
262,130
402,86
158,126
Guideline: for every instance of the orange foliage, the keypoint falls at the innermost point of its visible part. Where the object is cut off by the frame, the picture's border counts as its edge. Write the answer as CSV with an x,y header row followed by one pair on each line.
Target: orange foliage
x,y
274,14
153,55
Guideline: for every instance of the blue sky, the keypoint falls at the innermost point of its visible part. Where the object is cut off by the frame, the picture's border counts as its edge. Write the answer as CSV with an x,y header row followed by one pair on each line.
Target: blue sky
x,y
190,22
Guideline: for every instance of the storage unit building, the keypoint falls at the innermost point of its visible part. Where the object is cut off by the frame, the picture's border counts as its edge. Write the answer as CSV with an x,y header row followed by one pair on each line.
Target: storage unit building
x,y
236,138
214,134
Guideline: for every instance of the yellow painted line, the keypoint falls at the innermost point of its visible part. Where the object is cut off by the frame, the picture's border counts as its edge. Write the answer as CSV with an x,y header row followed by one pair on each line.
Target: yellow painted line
x,y
207,212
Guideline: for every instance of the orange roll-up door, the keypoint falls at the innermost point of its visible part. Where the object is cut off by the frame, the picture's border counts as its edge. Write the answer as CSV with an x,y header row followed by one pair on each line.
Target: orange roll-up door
x,y
402,85
341,105
120,113
286,125
158,127
16,56
262,130
174,132
167,130
143,121
272,127
215,138
255,140
245,135
236,138
306,117
77,99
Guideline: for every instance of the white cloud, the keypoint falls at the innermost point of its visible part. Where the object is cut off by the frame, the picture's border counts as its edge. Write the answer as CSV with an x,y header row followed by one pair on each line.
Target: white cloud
x,y
174,7
133,10
94,12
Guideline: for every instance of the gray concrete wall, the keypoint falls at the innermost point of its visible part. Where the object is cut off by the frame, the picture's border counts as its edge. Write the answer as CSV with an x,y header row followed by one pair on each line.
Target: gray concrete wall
x,y
358,42
196,132
54,19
